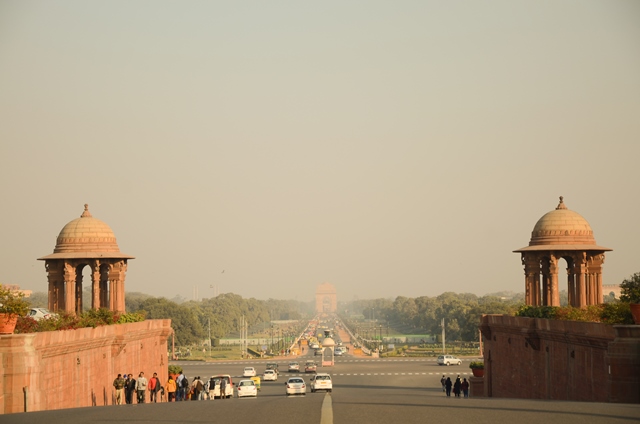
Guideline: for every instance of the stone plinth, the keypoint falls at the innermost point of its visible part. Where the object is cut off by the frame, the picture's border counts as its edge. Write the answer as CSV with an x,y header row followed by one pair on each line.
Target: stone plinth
x,y
476,387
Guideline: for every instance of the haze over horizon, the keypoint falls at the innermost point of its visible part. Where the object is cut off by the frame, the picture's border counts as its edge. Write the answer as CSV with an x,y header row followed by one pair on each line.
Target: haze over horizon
x,y
390,149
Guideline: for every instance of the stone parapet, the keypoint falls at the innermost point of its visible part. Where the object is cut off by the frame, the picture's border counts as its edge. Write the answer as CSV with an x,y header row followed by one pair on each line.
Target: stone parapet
x,y
562,360
76,368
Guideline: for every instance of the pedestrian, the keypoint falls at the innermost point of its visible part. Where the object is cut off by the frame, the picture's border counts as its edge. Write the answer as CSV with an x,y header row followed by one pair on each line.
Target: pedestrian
x,y
456,387
442,381
465,388
141,387
223,388
129,388
171,389
118,383
212,388
179,392
447,386
154,387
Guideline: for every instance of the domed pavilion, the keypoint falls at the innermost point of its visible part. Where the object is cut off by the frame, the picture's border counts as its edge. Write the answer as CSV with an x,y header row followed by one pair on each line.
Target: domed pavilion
x,y
86,241
562,234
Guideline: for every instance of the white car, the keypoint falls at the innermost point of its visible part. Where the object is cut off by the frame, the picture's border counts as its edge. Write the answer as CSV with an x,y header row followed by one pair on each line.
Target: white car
x,y
270,375
294,367
247,388
40,313
321,381
295,386
449,360
249,372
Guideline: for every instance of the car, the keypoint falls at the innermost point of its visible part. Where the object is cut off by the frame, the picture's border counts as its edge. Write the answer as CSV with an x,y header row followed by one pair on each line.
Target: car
x,y
249,372
338,351
216,390
272,366
40,313
321,381
315,346
318,352
449,360
295,386
270,375
294,367
310,366
247,388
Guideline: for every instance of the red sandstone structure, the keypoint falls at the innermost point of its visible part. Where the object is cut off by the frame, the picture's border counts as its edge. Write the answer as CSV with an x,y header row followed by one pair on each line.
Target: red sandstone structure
x,y
76,368
86,241
563,234
326,298
535,358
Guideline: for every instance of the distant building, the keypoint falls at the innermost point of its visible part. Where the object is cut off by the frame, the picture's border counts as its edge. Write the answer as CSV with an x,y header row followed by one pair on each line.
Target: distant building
x,y
326,298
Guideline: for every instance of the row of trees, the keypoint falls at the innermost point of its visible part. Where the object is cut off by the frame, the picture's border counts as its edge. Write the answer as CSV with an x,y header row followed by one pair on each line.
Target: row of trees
x,y
420,315
221,314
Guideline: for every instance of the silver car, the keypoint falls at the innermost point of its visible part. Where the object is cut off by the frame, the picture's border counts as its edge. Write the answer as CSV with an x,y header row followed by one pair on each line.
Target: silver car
x,y
295,386
449,360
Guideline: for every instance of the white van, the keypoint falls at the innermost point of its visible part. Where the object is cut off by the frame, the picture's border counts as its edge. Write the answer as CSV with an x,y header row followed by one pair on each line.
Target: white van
x,y
321,381
214,392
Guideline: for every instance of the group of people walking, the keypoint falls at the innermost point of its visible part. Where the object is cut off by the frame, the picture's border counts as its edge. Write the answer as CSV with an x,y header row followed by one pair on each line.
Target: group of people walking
x,y
458,386
177,390
126,386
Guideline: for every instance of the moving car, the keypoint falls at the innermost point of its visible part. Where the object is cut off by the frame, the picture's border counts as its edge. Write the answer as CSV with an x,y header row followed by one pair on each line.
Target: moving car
x,y
270,375
318,352
272,366
247,388
310,366
216,390
249,372
294,367
295,386
256,380
449,360
321,381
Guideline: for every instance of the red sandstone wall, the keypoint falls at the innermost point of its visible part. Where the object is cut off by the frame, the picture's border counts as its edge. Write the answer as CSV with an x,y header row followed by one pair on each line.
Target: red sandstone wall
x,y
76,368
562,360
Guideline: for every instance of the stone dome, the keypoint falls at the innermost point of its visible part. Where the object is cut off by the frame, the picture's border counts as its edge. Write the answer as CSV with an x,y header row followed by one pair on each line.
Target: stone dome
x,y
328,342
86,237
562,229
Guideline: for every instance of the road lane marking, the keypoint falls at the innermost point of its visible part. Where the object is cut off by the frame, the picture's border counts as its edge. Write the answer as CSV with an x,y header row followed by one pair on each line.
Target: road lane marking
x,y
326,411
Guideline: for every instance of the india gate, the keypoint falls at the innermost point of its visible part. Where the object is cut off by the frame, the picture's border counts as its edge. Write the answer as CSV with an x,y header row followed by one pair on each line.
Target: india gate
x,y
86,241
562,234
326,298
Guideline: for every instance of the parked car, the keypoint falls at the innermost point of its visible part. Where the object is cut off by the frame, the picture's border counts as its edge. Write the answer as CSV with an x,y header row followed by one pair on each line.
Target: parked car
x,y
270,375
449,360
216,390
40,313
310,366
294,367
321,381
295,386
247,388
249,372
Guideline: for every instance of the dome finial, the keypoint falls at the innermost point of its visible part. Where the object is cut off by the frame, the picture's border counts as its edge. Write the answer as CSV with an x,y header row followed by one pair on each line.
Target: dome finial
x,y
561,205
86,212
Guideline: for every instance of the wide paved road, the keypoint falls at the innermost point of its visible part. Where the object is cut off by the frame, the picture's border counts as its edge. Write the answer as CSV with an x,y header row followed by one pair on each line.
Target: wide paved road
x,y
365,391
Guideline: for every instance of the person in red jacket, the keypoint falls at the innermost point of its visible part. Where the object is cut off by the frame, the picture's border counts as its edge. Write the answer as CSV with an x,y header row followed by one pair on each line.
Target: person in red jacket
x,y
154,388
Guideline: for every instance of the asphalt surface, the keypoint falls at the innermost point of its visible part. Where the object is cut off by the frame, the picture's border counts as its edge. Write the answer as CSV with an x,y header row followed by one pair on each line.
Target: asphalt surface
x,y
365,390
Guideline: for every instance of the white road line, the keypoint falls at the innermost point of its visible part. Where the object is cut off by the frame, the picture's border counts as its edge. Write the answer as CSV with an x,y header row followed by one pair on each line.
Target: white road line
x,y
326,412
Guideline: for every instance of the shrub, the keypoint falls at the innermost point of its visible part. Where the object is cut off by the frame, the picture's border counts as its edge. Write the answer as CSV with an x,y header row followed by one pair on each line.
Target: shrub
x,y
630,289
476,365
66,321
12,302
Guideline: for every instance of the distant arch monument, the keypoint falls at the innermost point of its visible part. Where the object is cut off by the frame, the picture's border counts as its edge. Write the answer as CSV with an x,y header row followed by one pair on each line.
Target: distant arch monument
x,y
326,298
86,241
563,234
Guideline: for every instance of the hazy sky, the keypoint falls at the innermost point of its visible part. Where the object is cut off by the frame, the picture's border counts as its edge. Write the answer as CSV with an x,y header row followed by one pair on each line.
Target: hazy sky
x,y
387,147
